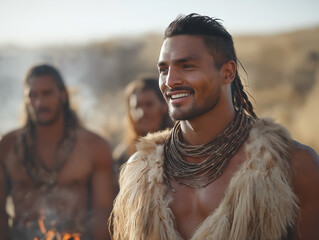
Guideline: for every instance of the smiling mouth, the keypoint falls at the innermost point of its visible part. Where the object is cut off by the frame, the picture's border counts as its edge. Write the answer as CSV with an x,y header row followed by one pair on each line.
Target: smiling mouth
x,y
179,95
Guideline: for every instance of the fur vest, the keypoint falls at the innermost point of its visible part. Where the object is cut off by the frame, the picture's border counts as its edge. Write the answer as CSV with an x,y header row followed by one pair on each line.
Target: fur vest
x,y
259,202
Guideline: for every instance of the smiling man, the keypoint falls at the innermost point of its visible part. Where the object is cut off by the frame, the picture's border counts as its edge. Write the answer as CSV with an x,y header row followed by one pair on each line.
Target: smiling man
x,y
58,174
221,173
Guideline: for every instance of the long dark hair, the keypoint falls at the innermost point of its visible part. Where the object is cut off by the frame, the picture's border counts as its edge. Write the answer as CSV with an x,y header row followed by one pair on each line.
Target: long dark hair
x,y
71,119
141,83
220,44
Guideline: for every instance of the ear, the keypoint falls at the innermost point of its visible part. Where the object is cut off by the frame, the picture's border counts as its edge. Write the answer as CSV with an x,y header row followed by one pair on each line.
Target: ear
x,y
228,72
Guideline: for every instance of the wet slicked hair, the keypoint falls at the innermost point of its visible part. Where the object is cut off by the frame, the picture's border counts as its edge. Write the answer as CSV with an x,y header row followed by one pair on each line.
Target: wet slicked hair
x,y
71,119
221,47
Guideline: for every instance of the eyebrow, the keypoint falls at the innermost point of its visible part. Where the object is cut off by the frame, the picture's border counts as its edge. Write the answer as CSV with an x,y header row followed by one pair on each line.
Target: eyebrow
x,y
177,61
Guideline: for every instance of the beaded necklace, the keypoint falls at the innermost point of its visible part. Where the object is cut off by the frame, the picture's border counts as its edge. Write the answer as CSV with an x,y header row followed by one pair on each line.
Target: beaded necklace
x,y
217,153
44,178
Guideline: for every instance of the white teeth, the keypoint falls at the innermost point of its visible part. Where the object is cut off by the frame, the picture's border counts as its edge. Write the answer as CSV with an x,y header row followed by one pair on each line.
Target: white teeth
x,y
180,95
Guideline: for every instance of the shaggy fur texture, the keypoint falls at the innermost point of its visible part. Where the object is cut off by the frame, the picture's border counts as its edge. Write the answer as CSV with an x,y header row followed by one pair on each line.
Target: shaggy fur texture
x,y
259,202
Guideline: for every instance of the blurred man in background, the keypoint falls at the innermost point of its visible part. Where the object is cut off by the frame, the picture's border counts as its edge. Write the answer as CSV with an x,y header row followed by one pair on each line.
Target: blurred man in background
x,y
221,172
58,174
147,112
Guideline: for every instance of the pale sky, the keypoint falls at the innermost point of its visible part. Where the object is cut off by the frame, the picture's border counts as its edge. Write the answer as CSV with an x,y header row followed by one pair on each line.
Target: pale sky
x,y
42,22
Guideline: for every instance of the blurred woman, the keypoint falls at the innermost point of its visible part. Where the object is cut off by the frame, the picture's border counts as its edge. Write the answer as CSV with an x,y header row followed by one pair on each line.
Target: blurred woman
x,y
147,112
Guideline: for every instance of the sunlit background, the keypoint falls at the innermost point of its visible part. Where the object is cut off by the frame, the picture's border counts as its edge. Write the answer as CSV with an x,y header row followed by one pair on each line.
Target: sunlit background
x,y
101,45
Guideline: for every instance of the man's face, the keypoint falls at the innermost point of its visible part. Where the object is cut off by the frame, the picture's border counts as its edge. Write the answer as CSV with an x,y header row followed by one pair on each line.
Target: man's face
x,y
146,111
44,100
189,79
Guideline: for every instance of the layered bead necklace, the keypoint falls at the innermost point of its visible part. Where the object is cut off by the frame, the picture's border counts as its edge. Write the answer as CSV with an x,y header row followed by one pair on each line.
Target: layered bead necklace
x,y
217,153
42,176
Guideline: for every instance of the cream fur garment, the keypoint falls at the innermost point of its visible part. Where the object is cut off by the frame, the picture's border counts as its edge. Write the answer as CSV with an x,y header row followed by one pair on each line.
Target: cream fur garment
x,y
259,202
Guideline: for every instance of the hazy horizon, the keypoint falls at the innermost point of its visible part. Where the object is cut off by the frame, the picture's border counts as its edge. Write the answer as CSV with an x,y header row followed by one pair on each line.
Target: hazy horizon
x,y
284,66
36,23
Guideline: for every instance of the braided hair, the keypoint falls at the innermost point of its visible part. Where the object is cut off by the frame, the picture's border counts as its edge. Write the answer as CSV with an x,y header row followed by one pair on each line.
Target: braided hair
x,y
221,46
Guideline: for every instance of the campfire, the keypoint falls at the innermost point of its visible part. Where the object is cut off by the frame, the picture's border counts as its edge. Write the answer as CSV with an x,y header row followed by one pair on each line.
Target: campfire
x,y
53,234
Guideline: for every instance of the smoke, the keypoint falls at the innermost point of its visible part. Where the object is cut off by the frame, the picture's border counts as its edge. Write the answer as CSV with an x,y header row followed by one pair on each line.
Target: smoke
x,y
281,71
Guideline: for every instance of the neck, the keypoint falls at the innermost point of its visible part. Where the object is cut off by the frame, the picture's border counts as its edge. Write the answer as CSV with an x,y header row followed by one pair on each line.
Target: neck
x,y
183,160
206,127
52,133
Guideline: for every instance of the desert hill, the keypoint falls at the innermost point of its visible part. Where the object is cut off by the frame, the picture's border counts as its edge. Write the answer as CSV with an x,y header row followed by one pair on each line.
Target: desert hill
x,y
282,75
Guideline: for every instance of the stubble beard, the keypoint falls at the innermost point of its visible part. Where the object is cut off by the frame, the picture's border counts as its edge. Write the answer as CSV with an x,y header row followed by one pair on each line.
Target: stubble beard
x,y
178,114
48,122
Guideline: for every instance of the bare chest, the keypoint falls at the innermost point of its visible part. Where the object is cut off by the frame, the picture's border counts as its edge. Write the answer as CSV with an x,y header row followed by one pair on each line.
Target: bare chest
x,y
33,193
75,168
192,206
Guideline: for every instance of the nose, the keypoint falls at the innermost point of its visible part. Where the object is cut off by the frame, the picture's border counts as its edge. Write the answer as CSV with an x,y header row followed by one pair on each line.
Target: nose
x,y
173,78
137,114
37,102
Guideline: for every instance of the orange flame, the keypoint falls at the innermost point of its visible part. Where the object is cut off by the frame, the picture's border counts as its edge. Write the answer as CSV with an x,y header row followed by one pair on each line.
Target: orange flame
x,y
68,236
51,234
41,226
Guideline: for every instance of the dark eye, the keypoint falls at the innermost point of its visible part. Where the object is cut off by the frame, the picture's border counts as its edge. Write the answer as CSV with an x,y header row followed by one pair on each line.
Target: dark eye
x,y
162,70
47,92
188,66
32,95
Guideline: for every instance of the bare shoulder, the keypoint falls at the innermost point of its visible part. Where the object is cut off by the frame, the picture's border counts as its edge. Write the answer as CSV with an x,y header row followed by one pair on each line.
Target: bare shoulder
x,y
91,137
305,161
305,180
305,174
11,136
97,146
7,142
